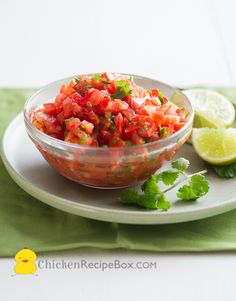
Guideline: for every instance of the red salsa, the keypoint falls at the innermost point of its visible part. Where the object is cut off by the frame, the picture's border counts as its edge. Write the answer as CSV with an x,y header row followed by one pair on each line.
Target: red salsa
x,y
108,110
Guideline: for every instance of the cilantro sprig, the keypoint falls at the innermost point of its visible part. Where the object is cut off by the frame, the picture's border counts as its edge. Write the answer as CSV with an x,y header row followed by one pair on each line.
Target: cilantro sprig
x,y
153,197
122,89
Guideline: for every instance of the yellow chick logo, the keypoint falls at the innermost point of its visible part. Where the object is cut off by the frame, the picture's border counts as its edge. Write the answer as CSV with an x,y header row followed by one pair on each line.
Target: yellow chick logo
x,y
25,259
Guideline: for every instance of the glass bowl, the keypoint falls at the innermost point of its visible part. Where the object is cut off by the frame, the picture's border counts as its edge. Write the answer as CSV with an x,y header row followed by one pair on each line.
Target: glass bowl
x,y
114,167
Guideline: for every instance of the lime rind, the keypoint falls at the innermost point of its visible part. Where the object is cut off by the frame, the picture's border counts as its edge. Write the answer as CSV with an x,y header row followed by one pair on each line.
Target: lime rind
x,y
212,109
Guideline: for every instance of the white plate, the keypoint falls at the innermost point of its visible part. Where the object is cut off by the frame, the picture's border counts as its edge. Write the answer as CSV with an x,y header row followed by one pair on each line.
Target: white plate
x,y
31,172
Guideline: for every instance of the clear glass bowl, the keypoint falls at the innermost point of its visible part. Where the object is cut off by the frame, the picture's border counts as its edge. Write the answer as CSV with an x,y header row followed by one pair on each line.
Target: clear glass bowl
x,y
114,167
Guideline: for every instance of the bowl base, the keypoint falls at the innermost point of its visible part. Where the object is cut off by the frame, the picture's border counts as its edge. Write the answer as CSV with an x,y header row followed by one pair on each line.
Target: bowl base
x,y
111,188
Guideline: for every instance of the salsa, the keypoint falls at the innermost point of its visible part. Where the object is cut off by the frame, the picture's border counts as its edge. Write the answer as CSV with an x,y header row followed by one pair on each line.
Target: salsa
x,y
108,110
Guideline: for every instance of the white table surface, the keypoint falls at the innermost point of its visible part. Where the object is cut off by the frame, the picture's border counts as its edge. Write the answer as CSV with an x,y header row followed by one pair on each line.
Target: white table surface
x,y
183,43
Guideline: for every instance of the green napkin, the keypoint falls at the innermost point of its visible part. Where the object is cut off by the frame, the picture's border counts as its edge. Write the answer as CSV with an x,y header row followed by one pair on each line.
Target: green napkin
x,y
27,222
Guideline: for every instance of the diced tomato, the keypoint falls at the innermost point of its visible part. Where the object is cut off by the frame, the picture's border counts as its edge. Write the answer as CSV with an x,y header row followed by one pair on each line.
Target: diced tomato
x,y
80,138
105,76
86,126
72,124
50,108
155,136
117,142
81,135
148,110
119,122
76,97
164,100
135,102
169,130
91,117
111,107
165,108
121,105
67,107
87,140
67,89
154,92
148,129
111,88
136,139
172,119
157,117
76,109
115,106
134,125
105,136
128,113
59,101
181,113
50,123
171,109
69,136
178,126
126,122
94,97
60,117
100,109
94,142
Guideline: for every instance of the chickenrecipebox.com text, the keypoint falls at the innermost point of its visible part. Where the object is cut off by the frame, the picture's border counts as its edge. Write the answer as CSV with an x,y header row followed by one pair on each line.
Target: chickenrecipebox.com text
x,y
84,264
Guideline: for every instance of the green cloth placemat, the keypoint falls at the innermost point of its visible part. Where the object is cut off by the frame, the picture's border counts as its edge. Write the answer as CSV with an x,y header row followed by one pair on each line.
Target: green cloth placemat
x,y
27,222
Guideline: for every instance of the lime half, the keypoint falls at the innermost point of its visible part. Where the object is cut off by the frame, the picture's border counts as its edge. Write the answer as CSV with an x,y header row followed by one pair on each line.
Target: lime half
x,y
215,146
211,108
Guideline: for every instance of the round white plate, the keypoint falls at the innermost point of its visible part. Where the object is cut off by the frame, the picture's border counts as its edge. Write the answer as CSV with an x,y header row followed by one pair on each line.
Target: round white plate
x,y
31,172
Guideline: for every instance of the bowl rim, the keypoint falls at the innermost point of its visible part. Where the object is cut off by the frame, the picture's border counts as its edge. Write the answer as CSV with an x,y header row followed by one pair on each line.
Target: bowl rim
x,y
56,143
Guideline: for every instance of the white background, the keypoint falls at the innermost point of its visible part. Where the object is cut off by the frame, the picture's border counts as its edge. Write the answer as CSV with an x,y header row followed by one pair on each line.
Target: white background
x,y
183,43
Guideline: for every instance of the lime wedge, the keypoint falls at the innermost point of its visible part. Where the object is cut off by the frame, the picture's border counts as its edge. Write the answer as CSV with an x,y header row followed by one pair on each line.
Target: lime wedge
x,y
215,146
212,109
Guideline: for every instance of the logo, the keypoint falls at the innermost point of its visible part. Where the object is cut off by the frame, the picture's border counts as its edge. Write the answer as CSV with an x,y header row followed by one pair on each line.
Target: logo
x,y
25,262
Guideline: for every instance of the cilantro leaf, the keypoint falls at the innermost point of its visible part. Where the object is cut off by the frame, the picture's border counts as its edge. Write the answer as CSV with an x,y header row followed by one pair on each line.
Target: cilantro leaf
x,y
185,193
227,171
199,184
127,169
150,187
149,199
82,140
180,164
130,196
163,132
198,187
162,202
77,79
122,89
168,177
96,77
148,202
